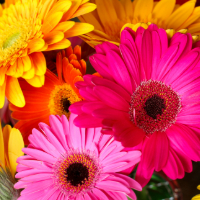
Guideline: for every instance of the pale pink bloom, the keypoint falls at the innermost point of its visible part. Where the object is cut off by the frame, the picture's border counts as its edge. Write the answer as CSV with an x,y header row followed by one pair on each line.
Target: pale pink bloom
x,y
72,163
147,98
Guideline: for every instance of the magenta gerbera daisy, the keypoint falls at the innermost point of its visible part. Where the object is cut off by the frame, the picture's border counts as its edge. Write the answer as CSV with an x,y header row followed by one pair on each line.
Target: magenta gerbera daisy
x,y
72,163
147,98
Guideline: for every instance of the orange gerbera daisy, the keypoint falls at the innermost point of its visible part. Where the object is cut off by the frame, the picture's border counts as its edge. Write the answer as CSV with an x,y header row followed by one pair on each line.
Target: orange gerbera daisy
x,y
29,27
112,16
55,96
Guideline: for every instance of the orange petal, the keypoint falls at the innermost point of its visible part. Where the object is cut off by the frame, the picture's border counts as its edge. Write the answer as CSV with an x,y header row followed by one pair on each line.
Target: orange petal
x,y
60,45
36,81
77,51
69,51
39,63
72,57
76,64
83,65
79,29
36,44
13,92
66,72
51,22
34,115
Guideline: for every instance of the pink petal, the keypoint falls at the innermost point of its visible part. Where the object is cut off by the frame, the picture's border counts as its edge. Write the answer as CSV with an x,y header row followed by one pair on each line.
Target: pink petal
x,y
112,186
119,70
111,98
184,139
40,155
87,121
113,86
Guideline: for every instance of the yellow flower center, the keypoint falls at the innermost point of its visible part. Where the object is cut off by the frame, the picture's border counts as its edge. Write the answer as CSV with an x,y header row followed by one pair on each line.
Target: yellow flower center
x,y
61,98
14,38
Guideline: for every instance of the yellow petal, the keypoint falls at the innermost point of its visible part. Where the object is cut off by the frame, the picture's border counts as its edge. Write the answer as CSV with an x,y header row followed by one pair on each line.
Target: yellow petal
x,y
2,75
30,73
64,26
180,15
45,8
195,15
53,37
142,9
61,6
36,81
2,156
2,94
27,63
14,93
170,32
83,9
91,19
36,44
51,22
163,9
106,12
194,28
197,197
60,45
72,10
15,145
198,187
39,63
119,9
79,29
6,135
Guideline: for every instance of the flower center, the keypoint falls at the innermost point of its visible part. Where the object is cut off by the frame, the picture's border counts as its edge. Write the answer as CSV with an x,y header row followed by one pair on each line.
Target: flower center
x,y
14,38
76,172
154,106
61,98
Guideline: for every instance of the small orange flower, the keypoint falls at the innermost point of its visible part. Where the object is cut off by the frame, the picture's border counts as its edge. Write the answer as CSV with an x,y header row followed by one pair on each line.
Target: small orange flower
x,y
55,97
29,27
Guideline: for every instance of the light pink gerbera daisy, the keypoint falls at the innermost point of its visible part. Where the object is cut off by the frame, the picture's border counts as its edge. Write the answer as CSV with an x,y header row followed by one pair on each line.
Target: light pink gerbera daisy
x,y
148,99
72,163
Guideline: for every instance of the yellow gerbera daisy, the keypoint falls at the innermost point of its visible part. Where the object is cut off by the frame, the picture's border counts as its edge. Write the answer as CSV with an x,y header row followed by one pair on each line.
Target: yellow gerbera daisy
x,y
111,16
29,27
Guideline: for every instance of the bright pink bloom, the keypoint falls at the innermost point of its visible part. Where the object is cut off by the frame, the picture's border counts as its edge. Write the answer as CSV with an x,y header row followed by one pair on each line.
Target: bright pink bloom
x,y
148,99
73,163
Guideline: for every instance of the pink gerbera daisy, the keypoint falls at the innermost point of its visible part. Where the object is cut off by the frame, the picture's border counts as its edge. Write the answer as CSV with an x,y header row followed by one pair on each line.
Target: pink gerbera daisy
x,y
73,163
147,98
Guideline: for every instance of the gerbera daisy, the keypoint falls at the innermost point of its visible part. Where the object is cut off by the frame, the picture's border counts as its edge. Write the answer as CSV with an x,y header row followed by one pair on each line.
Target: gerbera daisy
x,y
11,143
111,16
147,97
73,163
29,27
55,97
197,197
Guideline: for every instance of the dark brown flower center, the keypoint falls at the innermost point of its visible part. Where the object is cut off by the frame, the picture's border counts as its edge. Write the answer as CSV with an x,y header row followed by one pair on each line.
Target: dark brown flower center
x,y
66,104
77,174
154,105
